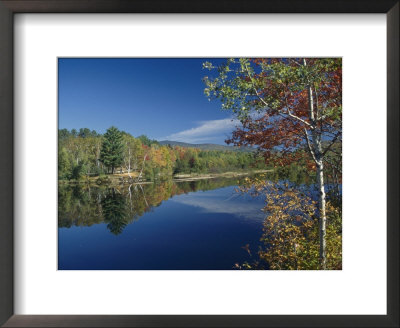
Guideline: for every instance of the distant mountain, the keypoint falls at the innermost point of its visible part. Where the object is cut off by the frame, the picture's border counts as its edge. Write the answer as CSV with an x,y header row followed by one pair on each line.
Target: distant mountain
x,y
206,146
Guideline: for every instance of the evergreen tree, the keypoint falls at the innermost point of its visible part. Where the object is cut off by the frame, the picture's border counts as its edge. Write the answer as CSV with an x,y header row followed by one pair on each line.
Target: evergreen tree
x,y
112,150
84,133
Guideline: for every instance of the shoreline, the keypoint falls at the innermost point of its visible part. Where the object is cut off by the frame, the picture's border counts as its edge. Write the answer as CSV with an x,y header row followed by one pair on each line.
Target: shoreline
x,y
194,176
119,179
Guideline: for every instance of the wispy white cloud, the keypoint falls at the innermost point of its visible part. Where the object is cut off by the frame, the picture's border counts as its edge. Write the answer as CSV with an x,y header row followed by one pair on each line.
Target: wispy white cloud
x,y
206,131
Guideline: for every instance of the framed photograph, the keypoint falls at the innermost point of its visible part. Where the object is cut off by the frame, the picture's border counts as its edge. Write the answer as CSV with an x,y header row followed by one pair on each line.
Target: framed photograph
x,y
202,164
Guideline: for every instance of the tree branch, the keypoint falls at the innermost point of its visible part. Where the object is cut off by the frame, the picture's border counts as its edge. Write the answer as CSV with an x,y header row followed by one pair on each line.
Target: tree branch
x,y
331,144
301,120
309,147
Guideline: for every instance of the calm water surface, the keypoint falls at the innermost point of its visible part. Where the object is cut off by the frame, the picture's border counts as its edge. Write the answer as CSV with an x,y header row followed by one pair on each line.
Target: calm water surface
x,y
197,225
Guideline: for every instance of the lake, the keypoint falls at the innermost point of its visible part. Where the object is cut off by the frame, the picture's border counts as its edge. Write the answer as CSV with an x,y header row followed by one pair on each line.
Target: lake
x,y
188,225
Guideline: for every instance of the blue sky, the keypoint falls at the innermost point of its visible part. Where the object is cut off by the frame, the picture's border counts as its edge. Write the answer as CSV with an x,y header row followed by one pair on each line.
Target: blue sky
x,y
160,97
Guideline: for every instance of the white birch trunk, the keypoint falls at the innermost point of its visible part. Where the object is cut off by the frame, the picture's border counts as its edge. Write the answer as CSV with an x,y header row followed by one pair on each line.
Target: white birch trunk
x,y
141,171
316,152
318,158
322,213
129,163
317,145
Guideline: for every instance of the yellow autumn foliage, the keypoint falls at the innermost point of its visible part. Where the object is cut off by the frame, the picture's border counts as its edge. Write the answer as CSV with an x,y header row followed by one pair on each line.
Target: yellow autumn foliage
x,y
290,234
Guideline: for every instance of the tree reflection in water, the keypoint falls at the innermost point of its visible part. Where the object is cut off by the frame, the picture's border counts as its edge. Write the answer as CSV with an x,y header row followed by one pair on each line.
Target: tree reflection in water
x,y
115,213
123,204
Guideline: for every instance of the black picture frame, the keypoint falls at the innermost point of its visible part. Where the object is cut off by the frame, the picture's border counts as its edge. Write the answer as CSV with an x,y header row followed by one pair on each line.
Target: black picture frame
x,y
7,10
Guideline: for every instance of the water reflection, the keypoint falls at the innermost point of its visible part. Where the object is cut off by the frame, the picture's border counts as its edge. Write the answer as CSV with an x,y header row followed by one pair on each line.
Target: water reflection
x,y
187,225
121,205
115,211
218,202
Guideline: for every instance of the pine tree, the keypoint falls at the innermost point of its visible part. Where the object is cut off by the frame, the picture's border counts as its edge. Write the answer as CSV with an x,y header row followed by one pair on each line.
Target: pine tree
x,y
111,154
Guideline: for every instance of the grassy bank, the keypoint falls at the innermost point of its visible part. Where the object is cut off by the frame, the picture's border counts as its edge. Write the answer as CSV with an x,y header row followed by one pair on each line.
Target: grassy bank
x,y
199,176
125,178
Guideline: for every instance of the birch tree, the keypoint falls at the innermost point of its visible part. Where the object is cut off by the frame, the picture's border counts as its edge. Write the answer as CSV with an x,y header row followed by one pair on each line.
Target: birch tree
x,y
133,153
284,104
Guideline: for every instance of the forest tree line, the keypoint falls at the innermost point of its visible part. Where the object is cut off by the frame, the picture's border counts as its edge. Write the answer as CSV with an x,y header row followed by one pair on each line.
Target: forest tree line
x,y
88,153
